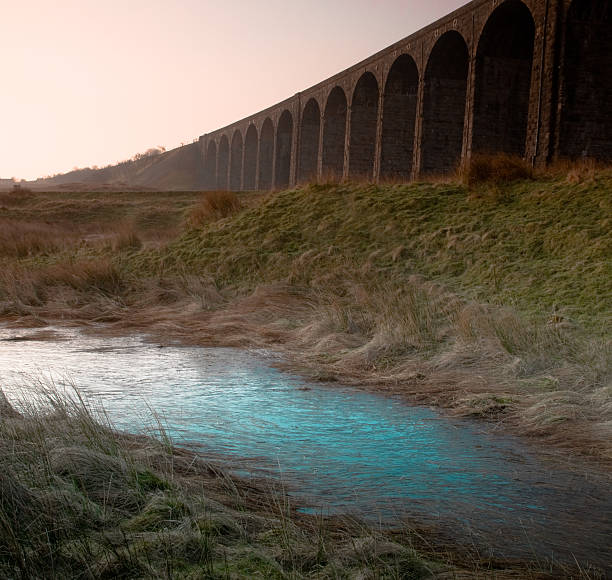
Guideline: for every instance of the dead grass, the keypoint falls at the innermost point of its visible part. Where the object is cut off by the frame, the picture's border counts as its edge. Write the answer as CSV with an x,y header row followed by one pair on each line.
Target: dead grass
x,y
212,206
498,168
575,171
19,239
127,237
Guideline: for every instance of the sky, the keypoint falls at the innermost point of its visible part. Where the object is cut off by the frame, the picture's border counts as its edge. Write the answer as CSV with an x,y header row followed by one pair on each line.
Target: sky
x,y
93,82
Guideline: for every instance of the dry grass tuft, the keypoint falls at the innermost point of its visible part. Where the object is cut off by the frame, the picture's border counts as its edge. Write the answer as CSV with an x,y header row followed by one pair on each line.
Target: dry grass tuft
x,y
498,169
92,275
127,238
574,170
22,239
213,205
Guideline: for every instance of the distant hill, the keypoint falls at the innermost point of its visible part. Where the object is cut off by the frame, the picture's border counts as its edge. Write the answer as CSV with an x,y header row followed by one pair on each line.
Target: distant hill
x,y
177,170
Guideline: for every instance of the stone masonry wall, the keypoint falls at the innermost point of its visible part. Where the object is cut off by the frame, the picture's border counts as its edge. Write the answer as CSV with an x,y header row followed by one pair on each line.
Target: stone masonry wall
x,y
527,77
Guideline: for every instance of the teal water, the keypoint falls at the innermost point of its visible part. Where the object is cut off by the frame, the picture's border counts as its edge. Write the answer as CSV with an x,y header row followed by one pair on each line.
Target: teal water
x,y
338,449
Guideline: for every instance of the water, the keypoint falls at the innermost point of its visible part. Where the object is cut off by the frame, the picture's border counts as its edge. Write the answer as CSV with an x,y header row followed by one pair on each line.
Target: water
x,y
339,449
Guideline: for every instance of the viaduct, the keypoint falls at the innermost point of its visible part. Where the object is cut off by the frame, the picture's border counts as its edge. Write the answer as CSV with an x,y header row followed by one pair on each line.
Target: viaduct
x,y
526,77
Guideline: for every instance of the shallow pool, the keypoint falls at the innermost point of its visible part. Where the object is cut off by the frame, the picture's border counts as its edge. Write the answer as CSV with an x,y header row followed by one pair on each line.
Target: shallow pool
x,y
337,448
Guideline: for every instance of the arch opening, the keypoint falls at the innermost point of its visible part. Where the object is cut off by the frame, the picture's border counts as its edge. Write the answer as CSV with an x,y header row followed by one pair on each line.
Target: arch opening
x,y
399,115
309,142
586,121
364,116
444,101
236,162
250,159
503,80
284,139
223,163
210,167
334,134
266,155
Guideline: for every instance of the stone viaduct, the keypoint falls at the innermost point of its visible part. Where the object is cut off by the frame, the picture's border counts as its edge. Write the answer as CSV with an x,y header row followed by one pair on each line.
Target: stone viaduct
x,y
526,77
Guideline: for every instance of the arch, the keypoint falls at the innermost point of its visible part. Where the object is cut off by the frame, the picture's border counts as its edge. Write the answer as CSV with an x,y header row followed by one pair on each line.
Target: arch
x,y
266,154
444,101
364,116
236,162
503,80
223,163
334,134
586,121
399,115
210,166
284,140
250,159
309,142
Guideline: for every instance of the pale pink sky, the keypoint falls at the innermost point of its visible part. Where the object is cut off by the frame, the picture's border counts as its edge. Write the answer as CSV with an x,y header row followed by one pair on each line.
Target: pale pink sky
x,y
91,82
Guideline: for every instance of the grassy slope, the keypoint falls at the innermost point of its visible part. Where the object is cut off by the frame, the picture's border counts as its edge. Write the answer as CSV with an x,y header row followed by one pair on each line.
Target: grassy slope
x,y
178,169
538,247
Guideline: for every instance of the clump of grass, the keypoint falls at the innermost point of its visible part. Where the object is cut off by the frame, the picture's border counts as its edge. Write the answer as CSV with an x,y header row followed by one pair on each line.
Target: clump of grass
x,y
15,197
575,171
498,168
23,239
212,206
88,275
127,238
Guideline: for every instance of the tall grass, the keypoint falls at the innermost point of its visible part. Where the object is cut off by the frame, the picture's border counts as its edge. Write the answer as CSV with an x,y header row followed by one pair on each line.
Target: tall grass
x,y
213,205
19,240
494,168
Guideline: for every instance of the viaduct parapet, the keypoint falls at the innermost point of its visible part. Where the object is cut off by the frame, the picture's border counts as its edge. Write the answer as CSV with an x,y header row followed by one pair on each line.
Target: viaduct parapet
x,y
525,77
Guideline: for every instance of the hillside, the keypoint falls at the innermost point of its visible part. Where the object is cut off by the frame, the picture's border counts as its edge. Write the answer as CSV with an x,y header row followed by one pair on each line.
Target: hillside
x,y
175,170
540,247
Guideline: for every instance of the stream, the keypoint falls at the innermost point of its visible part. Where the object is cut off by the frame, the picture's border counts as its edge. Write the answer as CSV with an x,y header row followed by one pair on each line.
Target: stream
x,y
336,449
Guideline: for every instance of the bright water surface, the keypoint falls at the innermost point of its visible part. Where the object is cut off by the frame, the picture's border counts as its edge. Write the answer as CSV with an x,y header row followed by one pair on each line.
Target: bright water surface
x,y
337,448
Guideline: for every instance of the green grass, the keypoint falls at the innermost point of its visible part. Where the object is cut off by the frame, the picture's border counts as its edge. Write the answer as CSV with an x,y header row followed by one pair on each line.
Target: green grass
x,y
542,247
